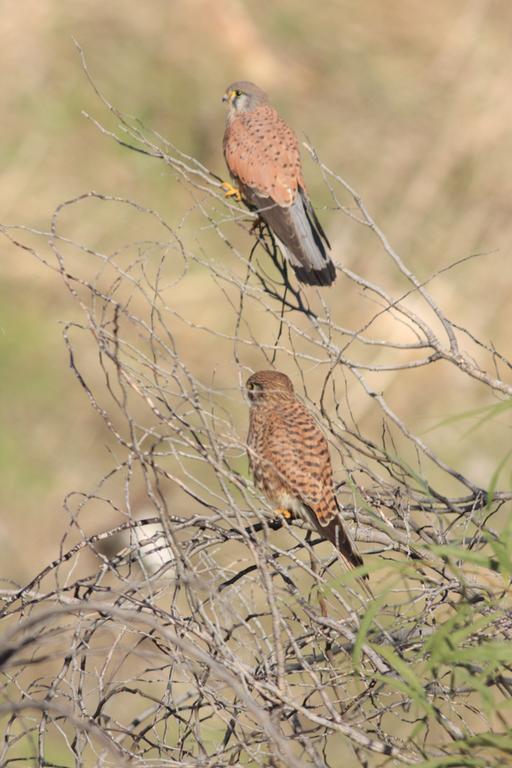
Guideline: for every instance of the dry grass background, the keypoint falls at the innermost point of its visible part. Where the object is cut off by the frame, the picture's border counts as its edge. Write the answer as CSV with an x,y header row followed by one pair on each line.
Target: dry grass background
x,y
408,102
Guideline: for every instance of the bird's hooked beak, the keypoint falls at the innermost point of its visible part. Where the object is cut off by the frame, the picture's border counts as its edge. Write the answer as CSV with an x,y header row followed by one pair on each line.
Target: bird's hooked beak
x,y
229,96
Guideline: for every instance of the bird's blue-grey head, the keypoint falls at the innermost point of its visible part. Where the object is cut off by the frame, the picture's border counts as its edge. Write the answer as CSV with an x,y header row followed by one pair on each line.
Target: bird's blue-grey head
x,y
243,96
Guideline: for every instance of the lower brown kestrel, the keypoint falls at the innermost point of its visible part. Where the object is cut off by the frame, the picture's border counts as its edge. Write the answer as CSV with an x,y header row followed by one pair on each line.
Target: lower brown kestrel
x,y
290,461
263,158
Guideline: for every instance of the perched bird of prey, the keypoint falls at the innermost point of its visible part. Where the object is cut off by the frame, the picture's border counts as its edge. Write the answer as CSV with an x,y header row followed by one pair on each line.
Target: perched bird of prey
x,y
263,158
290,461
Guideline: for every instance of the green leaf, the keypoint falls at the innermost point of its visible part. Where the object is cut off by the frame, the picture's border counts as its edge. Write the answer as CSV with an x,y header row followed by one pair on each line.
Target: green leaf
x,y
501,741
457,553
408,682
364,626
443,634
486,412
459,635
491,653
495,477
480,685
455,760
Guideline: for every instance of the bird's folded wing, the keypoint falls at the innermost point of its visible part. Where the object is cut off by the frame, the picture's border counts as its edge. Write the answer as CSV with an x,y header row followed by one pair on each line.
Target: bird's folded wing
x,y
298,469
263,154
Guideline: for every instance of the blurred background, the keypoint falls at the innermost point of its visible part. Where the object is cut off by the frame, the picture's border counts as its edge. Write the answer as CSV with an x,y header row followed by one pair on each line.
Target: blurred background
x,y
409,102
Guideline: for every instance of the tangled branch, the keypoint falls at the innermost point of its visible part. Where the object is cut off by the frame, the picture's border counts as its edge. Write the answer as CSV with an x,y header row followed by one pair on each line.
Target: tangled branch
x,y
191,632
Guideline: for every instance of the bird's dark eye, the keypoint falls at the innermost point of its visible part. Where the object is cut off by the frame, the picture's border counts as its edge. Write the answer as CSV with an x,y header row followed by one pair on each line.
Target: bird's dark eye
x,y
238,93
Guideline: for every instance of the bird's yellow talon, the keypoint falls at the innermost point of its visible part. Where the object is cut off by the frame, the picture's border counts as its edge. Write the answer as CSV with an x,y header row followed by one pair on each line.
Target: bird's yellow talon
x,y
231,191
282,512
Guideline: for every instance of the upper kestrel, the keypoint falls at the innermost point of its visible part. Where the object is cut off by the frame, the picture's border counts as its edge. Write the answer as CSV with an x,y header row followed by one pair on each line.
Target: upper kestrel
x,y
290,461
263,158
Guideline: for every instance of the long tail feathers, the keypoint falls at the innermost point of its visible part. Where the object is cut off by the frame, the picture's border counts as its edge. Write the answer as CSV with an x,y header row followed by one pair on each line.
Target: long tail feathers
x,y
299,235
307,251
335,532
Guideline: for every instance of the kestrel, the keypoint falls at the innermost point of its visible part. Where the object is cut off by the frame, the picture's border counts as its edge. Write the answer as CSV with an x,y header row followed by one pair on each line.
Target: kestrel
x,y
263,158
290,462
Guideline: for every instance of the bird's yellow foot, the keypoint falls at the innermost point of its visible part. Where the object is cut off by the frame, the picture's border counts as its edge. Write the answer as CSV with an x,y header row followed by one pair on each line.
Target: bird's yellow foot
x,y
282,512
231,191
